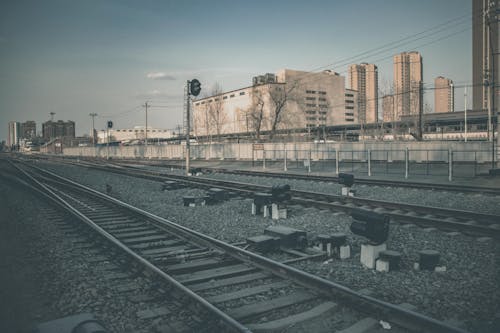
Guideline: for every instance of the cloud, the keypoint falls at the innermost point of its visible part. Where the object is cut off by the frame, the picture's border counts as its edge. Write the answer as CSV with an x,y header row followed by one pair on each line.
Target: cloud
x,y
160,76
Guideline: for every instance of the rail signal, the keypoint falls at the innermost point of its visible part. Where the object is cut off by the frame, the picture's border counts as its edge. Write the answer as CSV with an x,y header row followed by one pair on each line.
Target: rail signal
x,y
110,124
195,87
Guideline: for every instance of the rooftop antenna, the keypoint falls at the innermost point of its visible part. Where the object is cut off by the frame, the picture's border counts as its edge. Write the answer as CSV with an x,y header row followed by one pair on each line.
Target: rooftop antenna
x,y
52,116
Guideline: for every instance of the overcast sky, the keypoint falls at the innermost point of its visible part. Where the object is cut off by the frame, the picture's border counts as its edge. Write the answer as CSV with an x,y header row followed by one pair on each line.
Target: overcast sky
x,y
109,57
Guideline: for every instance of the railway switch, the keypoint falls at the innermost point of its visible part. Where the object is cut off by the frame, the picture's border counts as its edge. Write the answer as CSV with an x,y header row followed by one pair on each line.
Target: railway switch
x,y
428,259
216,195
280,194
388,260
289,237
346,180
261,204
264,243
373,226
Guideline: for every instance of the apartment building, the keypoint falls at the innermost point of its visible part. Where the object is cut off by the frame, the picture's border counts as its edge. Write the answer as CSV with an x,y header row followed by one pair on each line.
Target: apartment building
x,y
288,100
408,84
444,93
364,79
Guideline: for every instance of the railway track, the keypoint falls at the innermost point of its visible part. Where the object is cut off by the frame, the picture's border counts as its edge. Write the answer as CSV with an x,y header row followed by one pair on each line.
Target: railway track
x,y
239,290
321,178
468,222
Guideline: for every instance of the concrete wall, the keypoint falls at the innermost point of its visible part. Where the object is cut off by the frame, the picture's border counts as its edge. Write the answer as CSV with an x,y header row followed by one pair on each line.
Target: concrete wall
x,y
358,151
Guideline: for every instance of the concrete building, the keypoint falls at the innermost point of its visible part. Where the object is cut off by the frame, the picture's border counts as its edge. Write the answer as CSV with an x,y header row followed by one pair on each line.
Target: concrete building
x,y
364,79
289,100
444,95
388,108
133,135
28,129
485,64
58,129
408,84
14,131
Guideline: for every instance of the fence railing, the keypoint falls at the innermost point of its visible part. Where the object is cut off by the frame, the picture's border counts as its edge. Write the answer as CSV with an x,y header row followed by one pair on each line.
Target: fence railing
x,y
437,158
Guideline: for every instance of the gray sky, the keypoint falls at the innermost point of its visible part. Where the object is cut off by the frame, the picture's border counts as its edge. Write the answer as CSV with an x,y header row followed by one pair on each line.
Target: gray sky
x,y
109,57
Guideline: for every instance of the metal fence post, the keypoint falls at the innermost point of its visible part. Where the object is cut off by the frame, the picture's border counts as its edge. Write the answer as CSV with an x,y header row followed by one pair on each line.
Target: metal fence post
x,y
369,163
263,159
309,164
337,161
450,165
407,156
285,168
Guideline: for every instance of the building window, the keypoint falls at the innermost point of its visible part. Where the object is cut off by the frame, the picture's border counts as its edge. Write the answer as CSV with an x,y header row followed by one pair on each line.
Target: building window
x,y
242,93
310,91
232,95
322,99
323,105
322,112
349,114
203,102
197,104
349,119
322,92
348,101
349,95
311,112
311,118
311,105
349,107
310,98
310,125
225,97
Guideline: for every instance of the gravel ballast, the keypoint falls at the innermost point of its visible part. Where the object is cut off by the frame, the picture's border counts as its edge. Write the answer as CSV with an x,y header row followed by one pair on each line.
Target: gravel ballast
x,y
466,293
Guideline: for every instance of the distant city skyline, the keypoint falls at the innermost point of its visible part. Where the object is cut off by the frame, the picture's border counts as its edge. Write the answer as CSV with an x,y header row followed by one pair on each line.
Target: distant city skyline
x,y
110,57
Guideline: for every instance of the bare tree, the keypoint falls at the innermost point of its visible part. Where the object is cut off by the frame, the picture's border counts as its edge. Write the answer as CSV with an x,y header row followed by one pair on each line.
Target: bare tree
x,y
255,112
216,115
279,96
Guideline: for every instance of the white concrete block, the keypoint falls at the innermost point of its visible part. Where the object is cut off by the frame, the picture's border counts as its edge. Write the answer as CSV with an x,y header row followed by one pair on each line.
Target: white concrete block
x,y
345,252
382,265
265,211
254,209
370,253
440,269
345,191
277,212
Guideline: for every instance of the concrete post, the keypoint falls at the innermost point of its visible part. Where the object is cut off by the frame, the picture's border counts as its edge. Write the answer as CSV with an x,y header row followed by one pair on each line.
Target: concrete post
x,y
369,163
337,161
407,156
263,159
450,165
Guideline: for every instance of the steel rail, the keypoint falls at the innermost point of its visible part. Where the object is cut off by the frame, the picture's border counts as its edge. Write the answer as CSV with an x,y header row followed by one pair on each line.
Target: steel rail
x,y
316,177
230,322
331,201
402,316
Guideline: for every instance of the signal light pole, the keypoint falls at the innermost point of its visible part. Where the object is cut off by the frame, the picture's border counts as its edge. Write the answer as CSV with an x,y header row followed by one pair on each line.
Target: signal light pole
x,y
193,88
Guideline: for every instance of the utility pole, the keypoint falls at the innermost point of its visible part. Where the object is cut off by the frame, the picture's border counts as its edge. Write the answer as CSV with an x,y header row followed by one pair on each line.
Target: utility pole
x,y
465,113
93,115
146,107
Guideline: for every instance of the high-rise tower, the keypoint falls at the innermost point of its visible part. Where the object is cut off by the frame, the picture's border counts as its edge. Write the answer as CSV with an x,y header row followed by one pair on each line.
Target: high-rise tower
x,y
443,95
364,79
408,84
